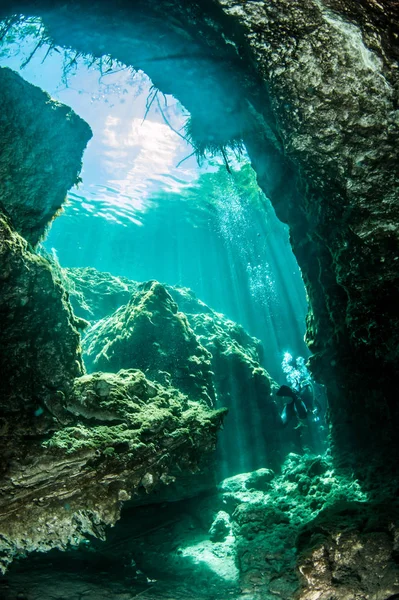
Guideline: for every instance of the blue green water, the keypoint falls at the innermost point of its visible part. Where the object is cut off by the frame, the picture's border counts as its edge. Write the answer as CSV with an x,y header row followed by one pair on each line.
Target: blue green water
x,y
141,214
146,210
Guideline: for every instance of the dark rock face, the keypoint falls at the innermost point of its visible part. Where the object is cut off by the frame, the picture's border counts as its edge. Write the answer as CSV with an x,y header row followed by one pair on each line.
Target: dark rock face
x,y
40,157
334,101
343,554
40,345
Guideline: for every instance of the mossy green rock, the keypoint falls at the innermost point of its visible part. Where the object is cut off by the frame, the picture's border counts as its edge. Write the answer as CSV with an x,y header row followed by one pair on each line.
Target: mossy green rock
x,y
220,352
40,346
127,439
150,334
94,294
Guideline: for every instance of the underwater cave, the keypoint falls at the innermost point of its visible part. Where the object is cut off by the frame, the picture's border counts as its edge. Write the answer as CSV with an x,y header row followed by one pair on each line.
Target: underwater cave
x,y
199,300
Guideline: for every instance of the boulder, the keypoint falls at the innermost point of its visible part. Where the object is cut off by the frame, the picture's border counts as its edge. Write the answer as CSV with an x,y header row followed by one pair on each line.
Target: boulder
x,y
126,439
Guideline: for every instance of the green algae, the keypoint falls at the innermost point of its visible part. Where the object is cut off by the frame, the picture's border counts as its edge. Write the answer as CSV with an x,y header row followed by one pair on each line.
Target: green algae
x,y
269,512
143,408
150,333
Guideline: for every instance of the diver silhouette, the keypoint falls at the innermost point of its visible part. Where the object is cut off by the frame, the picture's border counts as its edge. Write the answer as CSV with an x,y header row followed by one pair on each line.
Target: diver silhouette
x,y
295,408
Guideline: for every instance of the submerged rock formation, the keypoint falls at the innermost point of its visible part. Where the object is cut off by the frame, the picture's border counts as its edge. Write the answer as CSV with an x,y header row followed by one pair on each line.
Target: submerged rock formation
x,y
312,89
94,296
123,434
40,155
254,537
253,428
74,446
145,334
333,94
349,551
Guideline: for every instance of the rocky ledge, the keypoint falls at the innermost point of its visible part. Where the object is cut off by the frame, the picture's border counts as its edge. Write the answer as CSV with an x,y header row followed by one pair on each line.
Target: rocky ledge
x,y
124,437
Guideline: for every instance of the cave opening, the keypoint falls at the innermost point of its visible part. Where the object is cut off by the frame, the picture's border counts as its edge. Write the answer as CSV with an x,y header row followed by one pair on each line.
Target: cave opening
x,y
151,206
132,317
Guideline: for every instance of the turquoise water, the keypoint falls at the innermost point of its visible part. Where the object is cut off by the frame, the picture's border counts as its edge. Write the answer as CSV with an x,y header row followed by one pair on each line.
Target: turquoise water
x,y
145,210
141,214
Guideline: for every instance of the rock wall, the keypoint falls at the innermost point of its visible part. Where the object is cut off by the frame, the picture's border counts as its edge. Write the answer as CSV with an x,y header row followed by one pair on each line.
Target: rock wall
x,y
40,352
335,105
40,157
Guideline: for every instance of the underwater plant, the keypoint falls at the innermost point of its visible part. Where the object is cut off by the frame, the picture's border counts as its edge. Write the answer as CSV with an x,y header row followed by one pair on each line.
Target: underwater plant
x,y
213,144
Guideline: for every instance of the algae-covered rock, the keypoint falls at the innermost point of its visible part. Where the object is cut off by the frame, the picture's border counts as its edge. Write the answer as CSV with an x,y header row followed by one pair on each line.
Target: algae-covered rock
x,y
331,72
266,522
220,528
232,358
264,543
40,156
150,334
128,438
40,351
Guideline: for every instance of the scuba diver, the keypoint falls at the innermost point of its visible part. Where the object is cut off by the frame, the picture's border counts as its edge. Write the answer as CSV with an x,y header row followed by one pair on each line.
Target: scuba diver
x,y
295,407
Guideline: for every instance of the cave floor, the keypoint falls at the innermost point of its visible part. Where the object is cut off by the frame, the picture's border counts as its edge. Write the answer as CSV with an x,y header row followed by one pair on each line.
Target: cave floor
x,y
53,585
53,589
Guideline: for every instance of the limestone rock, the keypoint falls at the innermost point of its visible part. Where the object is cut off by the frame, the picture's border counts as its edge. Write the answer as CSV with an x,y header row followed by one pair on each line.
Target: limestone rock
x,y
311,87
266,522
331,72
260,480
220,528
95,295
252,435
333,542
242,385
127,438
350,551
40,156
